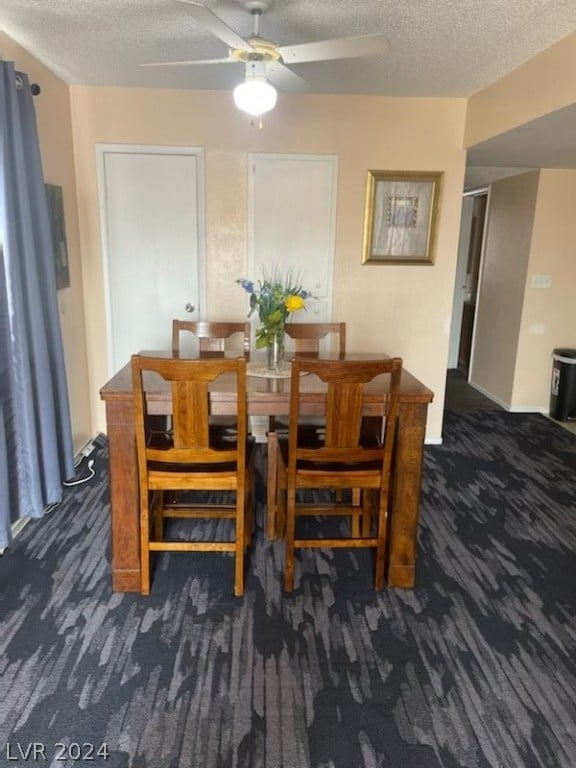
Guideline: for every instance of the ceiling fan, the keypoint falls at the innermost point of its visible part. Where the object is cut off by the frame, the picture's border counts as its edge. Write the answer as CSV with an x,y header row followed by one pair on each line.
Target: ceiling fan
x,y
266,63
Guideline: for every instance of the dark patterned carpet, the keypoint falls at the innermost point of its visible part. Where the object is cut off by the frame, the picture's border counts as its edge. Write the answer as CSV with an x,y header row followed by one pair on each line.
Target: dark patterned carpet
x,y
474,668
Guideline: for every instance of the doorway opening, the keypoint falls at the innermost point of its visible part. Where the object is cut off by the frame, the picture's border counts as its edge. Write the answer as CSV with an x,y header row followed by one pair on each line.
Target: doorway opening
x,y
472,227
470,289
466,289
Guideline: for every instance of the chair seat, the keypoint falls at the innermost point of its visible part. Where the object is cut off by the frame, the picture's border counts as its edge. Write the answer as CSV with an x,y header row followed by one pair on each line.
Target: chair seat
x,y
309,439
197,469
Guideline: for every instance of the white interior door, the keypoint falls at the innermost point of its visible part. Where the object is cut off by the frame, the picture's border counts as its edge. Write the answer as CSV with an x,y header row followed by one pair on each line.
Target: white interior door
x,y
152,213
292,223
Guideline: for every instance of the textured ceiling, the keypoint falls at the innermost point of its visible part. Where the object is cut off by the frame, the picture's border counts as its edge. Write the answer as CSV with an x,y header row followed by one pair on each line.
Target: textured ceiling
x,y
434,47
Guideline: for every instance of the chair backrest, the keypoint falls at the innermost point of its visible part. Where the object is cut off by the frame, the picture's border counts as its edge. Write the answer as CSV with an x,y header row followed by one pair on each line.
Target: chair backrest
x,y
347,383
212,336
308,336
191,438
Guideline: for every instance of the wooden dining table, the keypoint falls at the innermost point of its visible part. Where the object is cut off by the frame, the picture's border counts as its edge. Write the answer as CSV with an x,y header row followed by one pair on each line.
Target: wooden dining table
x,y
267,396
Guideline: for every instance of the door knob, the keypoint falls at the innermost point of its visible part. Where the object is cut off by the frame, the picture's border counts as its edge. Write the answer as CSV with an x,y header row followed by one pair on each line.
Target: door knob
x,y
189,307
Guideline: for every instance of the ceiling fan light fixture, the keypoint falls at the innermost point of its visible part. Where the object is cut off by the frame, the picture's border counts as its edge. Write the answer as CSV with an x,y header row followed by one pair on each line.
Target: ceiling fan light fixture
x,y
255,95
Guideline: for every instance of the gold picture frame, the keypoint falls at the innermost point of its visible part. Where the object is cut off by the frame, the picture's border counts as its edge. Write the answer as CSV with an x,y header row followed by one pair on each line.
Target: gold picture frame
x,y
400,217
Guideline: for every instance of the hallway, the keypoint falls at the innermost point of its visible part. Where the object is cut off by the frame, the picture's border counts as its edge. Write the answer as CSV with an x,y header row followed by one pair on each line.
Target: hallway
x,y
460,396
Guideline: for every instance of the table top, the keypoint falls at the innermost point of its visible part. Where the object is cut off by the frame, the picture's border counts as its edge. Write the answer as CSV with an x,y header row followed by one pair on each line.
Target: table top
x,y
266,389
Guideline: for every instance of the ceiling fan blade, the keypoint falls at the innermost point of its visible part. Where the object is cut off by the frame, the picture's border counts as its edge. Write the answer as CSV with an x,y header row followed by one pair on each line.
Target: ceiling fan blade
x,y
284,79
214,24
228,60
324,50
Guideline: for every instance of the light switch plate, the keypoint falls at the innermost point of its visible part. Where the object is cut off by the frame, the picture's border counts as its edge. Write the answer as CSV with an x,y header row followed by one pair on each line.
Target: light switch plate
x,y
541,281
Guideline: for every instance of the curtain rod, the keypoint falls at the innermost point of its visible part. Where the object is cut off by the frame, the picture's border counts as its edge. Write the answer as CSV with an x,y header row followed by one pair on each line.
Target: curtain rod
x,y
34,87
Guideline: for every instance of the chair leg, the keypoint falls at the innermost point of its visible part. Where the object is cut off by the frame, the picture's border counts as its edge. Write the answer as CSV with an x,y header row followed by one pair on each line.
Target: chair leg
x,y
381,548
272,481
158,515
357,502
144,547
367,504
356,523
250,520
240,542
280,512
289,540
339,496
280,500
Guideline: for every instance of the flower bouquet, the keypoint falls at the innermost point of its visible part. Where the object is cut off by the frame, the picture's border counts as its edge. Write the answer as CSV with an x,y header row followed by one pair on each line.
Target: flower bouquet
x,y
275,297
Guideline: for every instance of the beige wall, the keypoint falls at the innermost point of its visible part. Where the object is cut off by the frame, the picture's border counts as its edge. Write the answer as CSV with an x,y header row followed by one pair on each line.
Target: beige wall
x,y
542,85
402,310
531,230
502,288
548,315
518,326
55,132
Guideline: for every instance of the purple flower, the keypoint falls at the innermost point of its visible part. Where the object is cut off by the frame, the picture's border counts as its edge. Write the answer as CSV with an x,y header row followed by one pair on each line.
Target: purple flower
x,y
248,285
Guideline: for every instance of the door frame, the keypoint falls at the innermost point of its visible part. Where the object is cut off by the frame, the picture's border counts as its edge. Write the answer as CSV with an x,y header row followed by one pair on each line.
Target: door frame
x,y
460,276
147,149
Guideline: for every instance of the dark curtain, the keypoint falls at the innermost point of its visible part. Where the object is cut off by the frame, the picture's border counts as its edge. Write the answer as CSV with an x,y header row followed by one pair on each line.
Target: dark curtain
x,y
36,452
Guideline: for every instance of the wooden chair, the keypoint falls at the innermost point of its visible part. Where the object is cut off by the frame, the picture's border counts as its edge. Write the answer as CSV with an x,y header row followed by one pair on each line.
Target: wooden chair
x,y
346,458
193,457
307,338
214,340
213,337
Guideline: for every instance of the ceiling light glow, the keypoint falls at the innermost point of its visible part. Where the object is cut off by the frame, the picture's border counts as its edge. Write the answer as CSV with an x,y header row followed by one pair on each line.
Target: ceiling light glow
x,y
255,95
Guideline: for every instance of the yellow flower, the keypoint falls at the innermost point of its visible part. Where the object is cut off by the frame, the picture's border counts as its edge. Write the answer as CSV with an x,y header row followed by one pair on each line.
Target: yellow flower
x,y
294,303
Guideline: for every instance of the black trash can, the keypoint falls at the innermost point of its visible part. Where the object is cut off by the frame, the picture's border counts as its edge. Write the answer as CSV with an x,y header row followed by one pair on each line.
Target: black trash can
x,y
563,386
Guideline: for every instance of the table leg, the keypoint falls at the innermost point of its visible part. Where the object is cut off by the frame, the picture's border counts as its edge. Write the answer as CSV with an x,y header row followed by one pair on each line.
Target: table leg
x,y
406,486
124,496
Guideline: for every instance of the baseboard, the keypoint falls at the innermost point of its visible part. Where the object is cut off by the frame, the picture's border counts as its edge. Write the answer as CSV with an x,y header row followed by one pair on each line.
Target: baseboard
x,y
543,409
490,396
84,451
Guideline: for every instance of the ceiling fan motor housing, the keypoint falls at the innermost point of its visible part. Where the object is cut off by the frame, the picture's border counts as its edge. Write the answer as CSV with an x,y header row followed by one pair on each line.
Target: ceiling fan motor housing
x,y
261,50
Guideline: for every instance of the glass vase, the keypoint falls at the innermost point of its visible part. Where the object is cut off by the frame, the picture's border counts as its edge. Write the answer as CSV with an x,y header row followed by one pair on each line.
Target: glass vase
x,y
275,352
